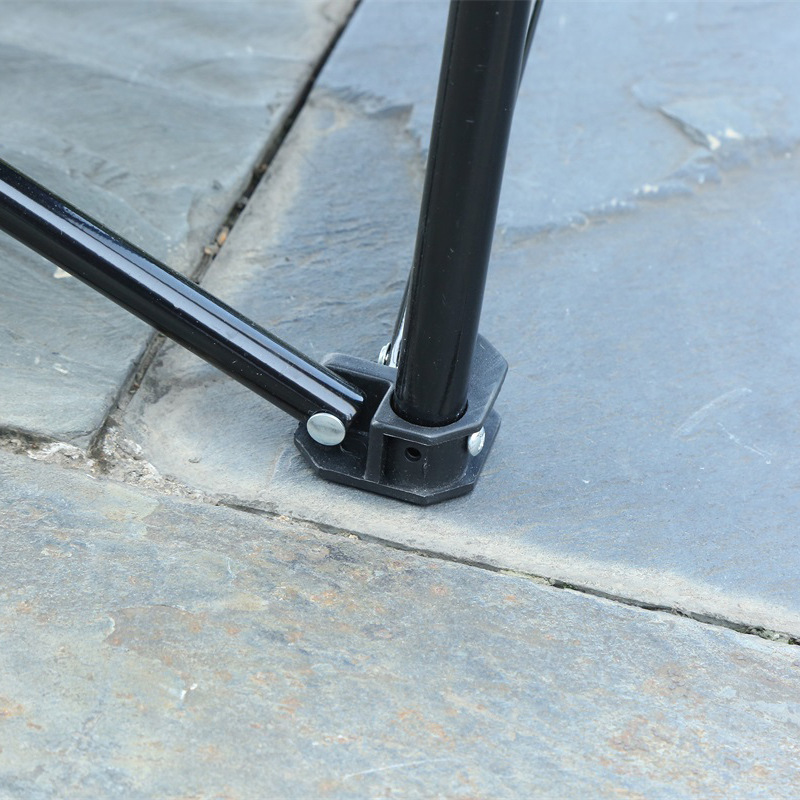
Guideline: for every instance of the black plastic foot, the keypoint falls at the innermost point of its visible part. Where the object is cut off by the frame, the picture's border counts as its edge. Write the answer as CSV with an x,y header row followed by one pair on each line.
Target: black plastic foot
x,y
383,453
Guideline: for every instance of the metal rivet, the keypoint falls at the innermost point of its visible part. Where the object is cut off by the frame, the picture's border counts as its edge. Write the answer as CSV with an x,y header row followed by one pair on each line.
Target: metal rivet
x,y
324,428
476,441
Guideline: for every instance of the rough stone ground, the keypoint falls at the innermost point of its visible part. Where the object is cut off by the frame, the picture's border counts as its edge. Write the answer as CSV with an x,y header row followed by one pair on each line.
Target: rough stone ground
x,y
188,612
153,647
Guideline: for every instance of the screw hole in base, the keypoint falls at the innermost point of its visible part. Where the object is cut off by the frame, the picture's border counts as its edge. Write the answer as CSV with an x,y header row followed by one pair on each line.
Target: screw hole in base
x,y
412,454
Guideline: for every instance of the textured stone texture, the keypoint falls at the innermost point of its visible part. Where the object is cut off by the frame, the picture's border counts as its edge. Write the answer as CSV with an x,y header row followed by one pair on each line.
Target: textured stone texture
x,y
599,127
150,117
158,641
152,647
650,437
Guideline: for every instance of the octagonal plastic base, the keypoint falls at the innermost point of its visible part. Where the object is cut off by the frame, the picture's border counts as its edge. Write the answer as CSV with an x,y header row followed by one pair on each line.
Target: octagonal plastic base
x,y
385,454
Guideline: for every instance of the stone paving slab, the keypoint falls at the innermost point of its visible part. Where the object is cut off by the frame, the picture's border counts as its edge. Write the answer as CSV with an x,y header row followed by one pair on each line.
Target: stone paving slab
x,y
650,437
150,117
155,647
599,126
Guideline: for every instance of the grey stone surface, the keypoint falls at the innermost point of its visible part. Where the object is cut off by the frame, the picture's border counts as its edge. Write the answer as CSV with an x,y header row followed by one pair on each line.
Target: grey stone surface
x,y
621,101
150,117
158,641
643,289
154,647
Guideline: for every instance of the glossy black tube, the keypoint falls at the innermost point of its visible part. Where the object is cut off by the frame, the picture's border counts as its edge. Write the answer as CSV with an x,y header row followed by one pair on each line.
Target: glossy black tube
x,y
170,303
477,90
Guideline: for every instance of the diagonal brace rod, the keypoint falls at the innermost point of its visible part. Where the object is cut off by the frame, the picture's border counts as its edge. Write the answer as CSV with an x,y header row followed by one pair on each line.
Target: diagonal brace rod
x,y
171,303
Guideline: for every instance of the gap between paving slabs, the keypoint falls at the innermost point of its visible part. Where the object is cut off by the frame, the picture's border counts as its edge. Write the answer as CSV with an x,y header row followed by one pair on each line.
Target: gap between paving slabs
x,y
121,462
173,113
100,445
97,446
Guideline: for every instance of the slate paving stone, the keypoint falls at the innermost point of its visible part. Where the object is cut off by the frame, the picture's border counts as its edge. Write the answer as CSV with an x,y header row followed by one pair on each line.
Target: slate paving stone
x,y
150,117
650,435
598,127
155,647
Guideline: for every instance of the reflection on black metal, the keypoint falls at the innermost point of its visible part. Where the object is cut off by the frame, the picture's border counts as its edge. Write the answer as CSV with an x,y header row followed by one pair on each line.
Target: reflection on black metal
x,y
170,303
478,84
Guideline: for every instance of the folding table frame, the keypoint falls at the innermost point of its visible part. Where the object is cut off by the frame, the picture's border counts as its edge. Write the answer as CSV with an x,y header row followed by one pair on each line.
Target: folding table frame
x,y
418,424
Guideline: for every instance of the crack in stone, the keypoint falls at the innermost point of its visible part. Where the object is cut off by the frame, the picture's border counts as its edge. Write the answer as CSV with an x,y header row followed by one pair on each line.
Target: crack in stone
x,y
274,143
556,583
36,448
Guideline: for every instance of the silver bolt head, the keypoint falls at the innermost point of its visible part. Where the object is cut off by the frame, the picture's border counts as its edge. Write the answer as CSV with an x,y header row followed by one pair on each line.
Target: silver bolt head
x,y
476,441
325,428
383,356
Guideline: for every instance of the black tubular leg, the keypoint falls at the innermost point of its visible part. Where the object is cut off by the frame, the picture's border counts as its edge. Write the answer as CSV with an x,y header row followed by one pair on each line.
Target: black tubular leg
x,y
171,303
430,423
478,83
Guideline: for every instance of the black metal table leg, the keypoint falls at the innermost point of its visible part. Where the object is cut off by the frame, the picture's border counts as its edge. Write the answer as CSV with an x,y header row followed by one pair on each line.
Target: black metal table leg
x,y
478,84
432,421
420,432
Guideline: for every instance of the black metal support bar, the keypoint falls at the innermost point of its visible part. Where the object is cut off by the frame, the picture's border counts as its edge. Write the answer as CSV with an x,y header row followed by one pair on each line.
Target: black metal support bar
x,y
478,83
173,304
